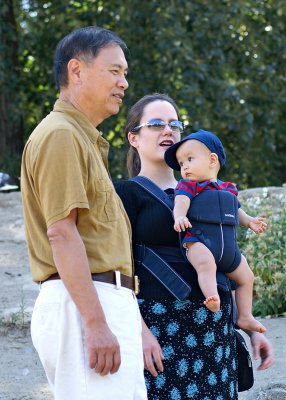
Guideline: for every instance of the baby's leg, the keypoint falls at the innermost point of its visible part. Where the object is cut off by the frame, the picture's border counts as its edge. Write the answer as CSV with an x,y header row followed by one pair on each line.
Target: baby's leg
x,y
203,261
244,277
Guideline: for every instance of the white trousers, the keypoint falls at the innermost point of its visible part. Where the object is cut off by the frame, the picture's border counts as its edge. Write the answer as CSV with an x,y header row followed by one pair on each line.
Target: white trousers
x,y
57,335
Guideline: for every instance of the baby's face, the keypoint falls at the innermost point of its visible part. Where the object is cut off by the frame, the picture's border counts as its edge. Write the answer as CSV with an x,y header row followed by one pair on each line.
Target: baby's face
x,y
194,160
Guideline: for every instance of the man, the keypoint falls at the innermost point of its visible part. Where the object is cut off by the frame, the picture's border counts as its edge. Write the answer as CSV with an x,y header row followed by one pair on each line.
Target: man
x,y
86,324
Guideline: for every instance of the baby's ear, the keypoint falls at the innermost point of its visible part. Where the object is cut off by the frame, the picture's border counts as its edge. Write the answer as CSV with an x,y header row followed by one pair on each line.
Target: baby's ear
x,y
213,159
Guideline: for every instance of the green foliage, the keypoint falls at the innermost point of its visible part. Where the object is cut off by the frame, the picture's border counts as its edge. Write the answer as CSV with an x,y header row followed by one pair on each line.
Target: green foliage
x,y
222,61
17,319
11,163
266,253
11,134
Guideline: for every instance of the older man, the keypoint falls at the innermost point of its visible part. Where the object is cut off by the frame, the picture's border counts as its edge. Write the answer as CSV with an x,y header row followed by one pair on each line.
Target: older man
x,y
86,324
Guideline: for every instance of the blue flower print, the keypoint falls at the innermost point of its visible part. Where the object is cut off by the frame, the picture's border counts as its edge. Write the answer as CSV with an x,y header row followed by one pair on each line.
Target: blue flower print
x,y
218,354
201,315
187,334
217,315
212,379
160,381
172,328
147,383
233,364
224,375
192,390
140,301
231,389
209,338
168,351
158,309
181,305
175,394
155,331
227,351
197,366
191,340
182,367
225,330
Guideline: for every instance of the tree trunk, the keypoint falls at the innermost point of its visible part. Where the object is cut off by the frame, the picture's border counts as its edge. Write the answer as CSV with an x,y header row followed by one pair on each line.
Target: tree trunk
x,y
11,132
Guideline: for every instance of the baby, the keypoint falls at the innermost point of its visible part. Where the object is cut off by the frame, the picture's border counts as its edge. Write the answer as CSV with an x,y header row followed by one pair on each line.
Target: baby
x,y
210,239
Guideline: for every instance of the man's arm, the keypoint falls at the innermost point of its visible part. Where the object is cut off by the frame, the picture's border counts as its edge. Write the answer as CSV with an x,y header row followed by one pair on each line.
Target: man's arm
x,y
72,264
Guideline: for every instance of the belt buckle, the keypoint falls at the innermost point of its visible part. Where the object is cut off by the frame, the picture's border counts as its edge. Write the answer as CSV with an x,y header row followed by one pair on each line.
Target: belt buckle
x,y
117,280
136,285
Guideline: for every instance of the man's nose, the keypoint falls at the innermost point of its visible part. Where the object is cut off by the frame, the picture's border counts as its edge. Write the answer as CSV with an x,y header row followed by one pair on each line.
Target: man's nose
x,y
123,83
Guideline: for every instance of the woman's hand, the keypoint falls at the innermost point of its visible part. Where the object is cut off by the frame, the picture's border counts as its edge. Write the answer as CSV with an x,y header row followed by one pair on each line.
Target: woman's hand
x,y
262,349
152,351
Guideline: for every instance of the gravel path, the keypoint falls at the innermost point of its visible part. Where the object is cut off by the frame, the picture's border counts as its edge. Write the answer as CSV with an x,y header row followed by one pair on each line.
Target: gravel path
x,y
21,374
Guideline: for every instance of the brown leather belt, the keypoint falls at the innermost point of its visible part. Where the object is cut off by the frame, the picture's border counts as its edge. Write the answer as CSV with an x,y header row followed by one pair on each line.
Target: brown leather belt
x,y
115,278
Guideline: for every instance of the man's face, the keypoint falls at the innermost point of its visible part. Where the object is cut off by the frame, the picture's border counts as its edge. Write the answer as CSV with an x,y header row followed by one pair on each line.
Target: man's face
x,y
103,83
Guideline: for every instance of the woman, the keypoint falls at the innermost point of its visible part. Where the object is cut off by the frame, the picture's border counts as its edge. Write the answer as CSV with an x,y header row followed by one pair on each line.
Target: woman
x,y
197,346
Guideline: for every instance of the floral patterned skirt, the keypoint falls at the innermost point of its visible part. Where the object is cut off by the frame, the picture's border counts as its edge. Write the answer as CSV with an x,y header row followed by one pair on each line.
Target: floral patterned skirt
x,y
199,350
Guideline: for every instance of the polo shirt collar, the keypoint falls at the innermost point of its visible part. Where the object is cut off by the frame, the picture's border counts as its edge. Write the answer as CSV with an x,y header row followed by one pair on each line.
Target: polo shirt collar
x,y
68,108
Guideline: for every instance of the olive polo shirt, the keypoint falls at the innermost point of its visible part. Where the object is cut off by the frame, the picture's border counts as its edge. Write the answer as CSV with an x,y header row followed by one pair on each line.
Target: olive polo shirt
x,y
64,166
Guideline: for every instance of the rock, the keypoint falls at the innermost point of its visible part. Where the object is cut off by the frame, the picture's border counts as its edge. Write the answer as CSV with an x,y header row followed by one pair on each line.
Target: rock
x,y
274,391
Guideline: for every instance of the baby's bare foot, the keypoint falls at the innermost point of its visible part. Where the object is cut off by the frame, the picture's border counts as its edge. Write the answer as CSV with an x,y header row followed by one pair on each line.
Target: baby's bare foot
x,y
251,324
212,303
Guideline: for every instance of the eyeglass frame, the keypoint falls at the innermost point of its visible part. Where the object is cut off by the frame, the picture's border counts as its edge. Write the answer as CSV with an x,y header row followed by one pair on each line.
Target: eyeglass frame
x,y
180,126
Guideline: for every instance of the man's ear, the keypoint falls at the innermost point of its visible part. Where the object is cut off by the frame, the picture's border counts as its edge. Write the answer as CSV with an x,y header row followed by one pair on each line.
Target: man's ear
x,y
74,71
213,160
133,139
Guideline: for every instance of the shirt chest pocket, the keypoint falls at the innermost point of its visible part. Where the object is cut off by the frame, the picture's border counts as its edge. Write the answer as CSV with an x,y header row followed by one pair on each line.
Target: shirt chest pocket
x,y
106,202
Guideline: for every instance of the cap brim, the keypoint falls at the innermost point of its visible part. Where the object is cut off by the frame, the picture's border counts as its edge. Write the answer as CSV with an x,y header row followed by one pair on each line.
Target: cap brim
x,y
170,156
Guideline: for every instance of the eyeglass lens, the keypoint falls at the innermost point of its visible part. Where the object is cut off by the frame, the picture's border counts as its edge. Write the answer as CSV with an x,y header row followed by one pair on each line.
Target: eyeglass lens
x,y
176,126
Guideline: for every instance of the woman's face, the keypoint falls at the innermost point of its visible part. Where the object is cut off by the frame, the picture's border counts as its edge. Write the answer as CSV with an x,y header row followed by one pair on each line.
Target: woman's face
x,y
151,143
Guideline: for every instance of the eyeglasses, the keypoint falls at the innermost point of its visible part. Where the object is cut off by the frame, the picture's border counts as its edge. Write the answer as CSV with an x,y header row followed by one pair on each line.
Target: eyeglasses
x,y
159,125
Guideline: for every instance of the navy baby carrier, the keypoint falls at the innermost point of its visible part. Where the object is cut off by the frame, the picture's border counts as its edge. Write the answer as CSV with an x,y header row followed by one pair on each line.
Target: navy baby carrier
x,y
215,207
155,264
214,215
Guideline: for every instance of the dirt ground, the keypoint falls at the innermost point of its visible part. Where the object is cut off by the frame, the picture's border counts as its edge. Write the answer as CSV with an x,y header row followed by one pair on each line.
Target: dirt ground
x,y
21,374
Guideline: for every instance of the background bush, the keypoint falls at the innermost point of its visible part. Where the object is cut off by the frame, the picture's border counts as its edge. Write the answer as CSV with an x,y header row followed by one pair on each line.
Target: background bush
x,y
266,253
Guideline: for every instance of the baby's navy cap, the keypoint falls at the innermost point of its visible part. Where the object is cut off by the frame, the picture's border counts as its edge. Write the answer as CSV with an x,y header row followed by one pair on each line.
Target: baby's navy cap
x,y
209,139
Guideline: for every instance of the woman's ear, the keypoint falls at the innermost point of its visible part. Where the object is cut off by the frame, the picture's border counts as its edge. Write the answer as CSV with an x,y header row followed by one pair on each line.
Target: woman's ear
x,y
214,160
133,139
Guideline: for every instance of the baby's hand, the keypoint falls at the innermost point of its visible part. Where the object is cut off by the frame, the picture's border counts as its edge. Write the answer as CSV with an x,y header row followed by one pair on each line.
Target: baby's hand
x,y
181,223
258,224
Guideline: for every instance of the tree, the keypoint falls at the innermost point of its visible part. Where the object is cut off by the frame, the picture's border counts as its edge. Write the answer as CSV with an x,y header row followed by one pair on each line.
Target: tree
x,y
222,61
11,118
